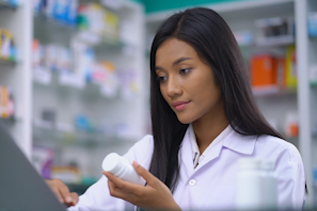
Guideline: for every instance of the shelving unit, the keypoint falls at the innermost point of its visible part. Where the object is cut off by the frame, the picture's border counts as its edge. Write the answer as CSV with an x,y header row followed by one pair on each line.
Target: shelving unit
x,y
17,75
51,91
273,102
122,121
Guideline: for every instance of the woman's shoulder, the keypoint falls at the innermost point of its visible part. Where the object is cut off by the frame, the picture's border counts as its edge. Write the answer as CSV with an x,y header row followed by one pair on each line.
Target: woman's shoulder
x,y
141,151
274,145
144,144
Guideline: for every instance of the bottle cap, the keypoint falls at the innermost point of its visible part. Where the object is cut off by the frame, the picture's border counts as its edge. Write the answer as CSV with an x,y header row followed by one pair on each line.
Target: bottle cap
x,y
111,163
249,163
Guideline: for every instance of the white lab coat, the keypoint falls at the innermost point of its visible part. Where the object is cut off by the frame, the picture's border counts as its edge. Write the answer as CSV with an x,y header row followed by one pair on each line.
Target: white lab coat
x,y
212,184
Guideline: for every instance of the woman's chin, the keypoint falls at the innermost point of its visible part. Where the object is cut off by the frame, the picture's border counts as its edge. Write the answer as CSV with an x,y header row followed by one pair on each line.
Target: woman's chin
x,y
184,120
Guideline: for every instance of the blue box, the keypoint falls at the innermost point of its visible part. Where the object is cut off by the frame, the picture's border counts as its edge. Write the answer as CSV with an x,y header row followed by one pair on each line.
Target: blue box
x,y
312,25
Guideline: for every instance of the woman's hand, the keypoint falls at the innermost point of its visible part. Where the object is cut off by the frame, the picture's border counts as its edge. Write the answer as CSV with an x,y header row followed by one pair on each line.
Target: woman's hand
x,y
154,196
62,192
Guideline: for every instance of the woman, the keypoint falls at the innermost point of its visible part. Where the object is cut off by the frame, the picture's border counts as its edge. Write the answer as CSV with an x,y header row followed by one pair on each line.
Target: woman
x,y
204,119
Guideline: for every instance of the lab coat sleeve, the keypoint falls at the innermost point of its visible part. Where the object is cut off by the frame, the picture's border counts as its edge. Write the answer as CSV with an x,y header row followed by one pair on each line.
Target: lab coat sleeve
x,y
291,179
97,197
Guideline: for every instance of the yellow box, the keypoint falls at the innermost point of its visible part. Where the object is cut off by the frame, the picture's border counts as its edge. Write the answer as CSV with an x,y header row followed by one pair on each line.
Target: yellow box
x,y
291,67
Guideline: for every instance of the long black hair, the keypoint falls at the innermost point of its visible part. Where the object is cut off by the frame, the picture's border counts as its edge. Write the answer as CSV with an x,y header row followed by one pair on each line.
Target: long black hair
x,y
211,37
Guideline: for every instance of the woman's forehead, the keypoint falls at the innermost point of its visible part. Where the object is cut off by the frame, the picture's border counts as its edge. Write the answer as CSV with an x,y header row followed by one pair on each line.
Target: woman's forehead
x,y
173,49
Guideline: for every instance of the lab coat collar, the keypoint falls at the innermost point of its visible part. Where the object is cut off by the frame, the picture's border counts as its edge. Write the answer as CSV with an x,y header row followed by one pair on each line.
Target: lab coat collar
x,y
240,143
234,141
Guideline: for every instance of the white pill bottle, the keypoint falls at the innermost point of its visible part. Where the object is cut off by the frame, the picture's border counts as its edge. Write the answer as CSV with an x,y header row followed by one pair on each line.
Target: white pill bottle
x,y
249,187
121,168
269,186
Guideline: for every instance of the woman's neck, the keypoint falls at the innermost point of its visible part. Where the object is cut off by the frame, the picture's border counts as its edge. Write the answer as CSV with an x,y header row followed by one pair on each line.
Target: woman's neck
x,y
207,129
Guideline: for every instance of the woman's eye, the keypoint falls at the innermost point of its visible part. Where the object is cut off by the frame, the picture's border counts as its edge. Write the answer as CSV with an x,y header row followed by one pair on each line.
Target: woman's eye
x,y
184,71
161,78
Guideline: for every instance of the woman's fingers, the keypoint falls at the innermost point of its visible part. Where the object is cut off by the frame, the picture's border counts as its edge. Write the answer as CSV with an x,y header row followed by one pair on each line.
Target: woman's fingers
x,y
71,200
67,196
122,185
116,192
149,178
119,193
55,190
75,197
115,180
62,192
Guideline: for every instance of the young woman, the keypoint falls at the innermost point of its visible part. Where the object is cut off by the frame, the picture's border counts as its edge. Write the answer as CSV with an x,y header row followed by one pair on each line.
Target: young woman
x,y
204,119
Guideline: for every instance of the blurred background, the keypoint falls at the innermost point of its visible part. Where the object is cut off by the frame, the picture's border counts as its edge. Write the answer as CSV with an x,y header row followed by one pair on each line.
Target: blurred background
x,y
74,76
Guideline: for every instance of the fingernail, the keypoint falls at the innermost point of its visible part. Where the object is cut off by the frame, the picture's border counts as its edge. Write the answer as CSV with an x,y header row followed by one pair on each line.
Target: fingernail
x,y
68,199
135,164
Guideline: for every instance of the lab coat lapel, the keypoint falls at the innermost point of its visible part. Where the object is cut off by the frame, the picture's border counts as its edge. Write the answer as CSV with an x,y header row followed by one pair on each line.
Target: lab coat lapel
x,y
185,154
213,153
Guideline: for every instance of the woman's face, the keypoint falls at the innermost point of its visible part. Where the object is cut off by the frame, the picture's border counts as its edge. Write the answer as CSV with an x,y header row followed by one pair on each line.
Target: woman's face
x,y
186,82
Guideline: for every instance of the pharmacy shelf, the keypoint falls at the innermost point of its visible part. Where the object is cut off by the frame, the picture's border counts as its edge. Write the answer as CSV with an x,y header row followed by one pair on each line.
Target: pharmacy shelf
x,y
7,5
275,41
8,121
97,41
52,136
53,81
56,81
5,62
272,91
43,22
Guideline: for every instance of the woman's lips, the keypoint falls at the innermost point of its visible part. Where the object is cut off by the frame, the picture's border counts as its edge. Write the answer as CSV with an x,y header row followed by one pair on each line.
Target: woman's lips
x,y
180,105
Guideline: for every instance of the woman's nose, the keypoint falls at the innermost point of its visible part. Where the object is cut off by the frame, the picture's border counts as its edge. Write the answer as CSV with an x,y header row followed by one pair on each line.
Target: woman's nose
x,y
173,87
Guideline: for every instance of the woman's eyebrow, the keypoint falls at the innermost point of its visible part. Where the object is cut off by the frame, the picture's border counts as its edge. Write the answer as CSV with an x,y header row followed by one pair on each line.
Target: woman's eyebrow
x,y
175,63
158,68
180,60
